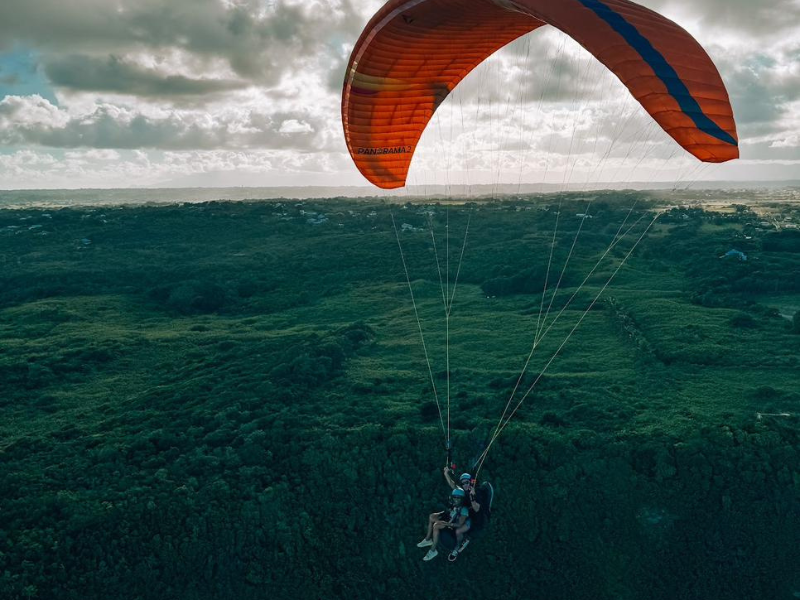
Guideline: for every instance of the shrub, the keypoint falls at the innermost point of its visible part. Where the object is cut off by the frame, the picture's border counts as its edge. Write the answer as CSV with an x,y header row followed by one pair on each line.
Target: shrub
x,y
743,321
552,419
429,411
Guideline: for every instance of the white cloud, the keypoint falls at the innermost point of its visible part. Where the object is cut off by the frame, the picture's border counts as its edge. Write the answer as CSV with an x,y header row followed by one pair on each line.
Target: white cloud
x,y
93,155
33,120
295,126
30,111
167,90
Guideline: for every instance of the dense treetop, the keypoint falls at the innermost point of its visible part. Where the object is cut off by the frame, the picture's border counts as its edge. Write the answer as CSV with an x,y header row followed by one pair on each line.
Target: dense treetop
x,y
230,400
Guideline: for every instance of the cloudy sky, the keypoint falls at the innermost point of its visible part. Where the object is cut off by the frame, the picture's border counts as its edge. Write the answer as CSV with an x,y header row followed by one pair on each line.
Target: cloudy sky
x,y
121,93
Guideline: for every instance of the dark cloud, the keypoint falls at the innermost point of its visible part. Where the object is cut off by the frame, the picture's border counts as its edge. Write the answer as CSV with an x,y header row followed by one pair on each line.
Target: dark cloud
x,y
545,67
769,151
753,17
762,89
112,74
172,57
259,42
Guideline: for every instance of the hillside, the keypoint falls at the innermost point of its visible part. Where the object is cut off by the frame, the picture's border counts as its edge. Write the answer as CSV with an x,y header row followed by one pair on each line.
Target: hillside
x,y
231,400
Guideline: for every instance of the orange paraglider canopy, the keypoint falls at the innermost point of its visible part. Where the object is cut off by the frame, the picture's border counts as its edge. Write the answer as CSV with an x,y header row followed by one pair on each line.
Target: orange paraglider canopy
x,y
413,53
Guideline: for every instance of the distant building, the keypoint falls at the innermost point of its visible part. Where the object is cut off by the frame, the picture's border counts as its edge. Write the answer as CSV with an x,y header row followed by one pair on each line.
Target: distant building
x,y
735,253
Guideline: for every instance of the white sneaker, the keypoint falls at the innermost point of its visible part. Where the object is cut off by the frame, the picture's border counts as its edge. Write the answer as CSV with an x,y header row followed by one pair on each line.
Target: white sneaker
x,y
425,543
432,553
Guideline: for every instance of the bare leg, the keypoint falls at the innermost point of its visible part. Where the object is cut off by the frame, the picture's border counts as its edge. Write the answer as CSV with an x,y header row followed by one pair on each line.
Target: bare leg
x,y
432,519
460,534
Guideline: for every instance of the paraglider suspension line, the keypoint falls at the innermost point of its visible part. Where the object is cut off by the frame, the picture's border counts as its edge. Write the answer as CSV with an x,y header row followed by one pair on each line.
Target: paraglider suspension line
x,y
563,343
419,325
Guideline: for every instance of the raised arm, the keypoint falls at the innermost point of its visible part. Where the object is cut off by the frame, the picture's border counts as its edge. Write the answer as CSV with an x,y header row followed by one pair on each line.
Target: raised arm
x,y
449,479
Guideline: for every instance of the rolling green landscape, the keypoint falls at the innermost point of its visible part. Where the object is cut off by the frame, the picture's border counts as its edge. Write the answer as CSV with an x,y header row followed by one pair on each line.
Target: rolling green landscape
x,y
231,400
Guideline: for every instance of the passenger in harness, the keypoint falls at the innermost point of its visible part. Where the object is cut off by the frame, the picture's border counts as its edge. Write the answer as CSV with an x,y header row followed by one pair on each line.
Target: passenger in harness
x,y
468,485
480,504
456,518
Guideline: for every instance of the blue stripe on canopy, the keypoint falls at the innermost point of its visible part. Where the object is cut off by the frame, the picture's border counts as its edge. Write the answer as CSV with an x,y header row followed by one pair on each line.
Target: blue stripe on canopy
x,y
663,70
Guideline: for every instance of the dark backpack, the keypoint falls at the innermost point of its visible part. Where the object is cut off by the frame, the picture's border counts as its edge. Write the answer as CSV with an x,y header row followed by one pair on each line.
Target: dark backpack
x,y
479,520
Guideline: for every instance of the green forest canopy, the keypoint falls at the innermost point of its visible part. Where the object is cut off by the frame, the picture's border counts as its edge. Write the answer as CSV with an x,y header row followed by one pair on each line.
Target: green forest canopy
x,y
229,400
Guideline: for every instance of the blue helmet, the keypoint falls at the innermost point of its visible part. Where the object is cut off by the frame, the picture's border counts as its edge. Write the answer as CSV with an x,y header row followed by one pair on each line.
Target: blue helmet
x,y
464,476
458,493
